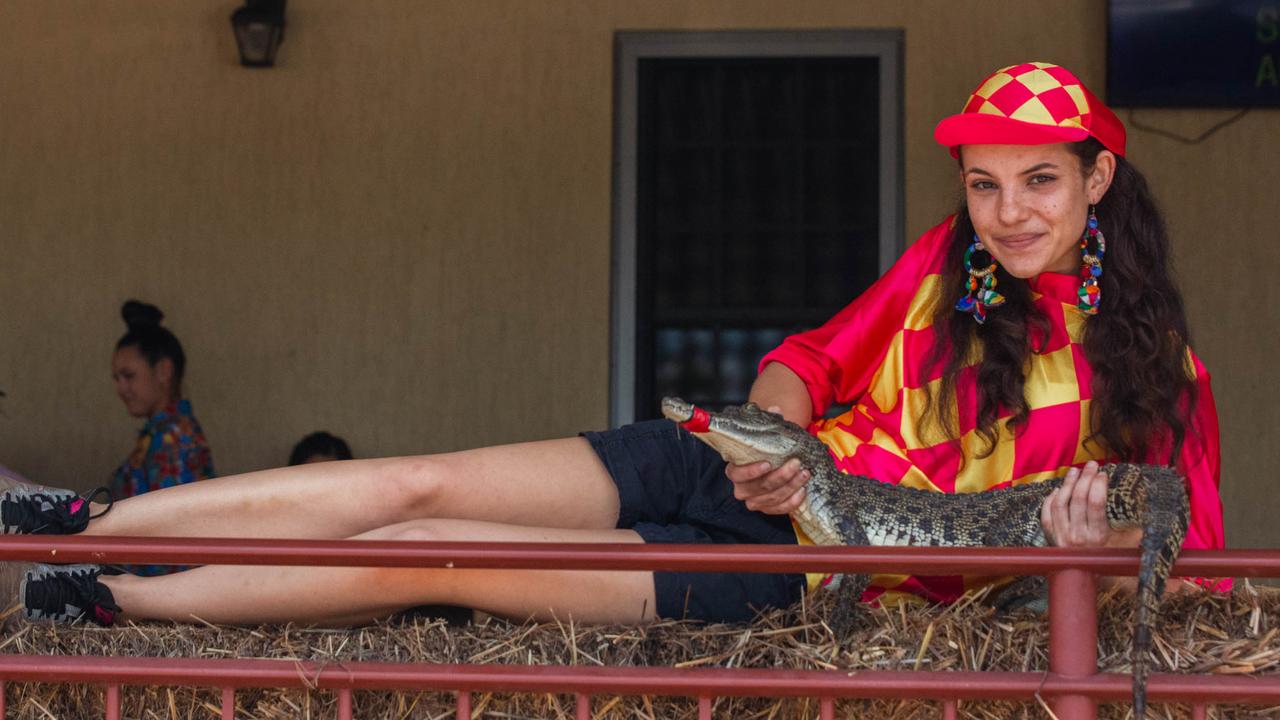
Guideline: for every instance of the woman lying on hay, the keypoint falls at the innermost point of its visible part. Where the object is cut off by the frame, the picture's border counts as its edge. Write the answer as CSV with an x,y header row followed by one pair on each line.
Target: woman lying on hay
x,y
1035,333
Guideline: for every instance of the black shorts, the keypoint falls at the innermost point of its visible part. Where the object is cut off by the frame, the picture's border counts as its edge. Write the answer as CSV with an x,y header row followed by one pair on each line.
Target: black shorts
x,y
673,489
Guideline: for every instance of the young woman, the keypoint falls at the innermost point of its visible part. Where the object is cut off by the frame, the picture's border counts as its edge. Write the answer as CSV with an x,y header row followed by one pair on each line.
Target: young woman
x,y
148,366
1034,334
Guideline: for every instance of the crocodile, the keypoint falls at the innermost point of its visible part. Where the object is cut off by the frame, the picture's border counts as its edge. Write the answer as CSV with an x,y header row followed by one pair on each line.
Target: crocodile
x,y
845,509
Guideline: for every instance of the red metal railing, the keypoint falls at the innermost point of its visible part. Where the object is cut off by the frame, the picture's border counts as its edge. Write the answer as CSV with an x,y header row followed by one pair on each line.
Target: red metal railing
x,y
1072,685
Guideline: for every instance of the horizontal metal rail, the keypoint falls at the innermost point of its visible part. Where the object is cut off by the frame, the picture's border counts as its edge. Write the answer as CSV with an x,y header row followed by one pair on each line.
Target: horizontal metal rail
x,y
621,556
689,682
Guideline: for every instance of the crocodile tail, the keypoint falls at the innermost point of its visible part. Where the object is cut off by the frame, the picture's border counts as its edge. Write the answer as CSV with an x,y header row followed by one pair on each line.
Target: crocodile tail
x,y
1162,494
1141,638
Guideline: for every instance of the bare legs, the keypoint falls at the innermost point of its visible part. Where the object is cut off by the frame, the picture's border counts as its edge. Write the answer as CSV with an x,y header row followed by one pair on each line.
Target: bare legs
x,y
343,596
553,491
555,483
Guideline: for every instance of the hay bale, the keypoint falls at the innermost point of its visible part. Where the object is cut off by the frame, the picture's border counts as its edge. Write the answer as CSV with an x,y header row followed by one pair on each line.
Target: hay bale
x,y
1200,633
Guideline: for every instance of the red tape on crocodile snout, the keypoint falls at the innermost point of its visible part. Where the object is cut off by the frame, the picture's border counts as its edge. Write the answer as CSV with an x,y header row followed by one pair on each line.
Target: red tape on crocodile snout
x,y
700,422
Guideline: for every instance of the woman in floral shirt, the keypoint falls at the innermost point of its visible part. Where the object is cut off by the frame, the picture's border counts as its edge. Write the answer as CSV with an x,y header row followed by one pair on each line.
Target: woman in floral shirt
x,y
171,450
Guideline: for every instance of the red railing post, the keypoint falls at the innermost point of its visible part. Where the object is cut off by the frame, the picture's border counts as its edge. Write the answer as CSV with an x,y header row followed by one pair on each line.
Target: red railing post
x,y
228,703
344,704
584,707
112,701
464,706
1073,637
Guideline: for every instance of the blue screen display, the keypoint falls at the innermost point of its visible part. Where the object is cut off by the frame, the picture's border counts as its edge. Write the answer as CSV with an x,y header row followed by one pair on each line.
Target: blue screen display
x,y
1193,53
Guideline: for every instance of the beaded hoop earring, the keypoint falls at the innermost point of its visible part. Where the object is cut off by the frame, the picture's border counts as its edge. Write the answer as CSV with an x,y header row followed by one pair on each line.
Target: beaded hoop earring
x,y
980,288
1091,266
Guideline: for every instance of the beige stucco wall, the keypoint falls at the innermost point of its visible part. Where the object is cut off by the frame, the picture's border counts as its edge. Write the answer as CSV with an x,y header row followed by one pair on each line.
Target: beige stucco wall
x,y
401,234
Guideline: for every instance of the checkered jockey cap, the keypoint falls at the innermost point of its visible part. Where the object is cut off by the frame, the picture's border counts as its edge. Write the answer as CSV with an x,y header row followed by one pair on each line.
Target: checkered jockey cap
x,y
1031,104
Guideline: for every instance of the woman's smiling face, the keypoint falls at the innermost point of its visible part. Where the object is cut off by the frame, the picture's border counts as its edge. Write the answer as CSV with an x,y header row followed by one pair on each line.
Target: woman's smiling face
x,y
1029,203
144,388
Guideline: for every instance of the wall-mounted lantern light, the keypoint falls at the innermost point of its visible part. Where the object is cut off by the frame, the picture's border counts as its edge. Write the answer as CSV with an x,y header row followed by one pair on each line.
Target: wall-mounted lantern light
x,y
259,27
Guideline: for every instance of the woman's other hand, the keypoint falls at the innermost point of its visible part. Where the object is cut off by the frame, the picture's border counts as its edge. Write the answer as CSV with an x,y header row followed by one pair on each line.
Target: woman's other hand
x,y
1075,515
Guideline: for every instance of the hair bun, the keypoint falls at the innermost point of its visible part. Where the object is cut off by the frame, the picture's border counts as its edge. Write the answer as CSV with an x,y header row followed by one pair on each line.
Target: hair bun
x,y
139,314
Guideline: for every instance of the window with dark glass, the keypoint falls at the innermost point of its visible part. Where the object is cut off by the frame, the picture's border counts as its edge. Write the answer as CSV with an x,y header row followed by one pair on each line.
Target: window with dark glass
x,y
757,212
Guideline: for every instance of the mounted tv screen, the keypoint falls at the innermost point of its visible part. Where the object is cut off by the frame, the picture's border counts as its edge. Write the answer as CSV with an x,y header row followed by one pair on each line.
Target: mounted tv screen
x,y
1193,53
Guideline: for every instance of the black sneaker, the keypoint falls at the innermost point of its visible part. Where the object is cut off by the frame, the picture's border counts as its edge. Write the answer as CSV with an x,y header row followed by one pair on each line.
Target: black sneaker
x,y
35,510
67,593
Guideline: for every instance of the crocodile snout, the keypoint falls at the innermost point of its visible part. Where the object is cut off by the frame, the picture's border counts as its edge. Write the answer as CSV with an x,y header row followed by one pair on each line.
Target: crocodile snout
x,y
673,408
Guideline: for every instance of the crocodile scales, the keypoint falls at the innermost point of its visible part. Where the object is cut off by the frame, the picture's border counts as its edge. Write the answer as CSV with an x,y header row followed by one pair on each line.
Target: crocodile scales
x,y
843,509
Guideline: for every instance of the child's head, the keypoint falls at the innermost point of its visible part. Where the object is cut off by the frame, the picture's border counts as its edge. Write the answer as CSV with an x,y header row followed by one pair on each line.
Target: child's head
x,y
319,447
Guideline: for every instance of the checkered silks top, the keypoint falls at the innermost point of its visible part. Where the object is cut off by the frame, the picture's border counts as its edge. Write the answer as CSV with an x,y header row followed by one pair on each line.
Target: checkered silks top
x,y
871,354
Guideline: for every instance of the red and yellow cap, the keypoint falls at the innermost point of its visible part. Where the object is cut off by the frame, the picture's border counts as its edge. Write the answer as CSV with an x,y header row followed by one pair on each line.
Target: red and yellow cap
x,y
1031,104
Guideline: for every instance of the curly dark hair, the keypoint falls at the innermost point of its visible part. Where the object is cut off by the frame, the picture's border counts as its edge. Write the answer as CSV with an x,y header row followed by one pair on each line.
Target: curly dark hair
x,y
1144,390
